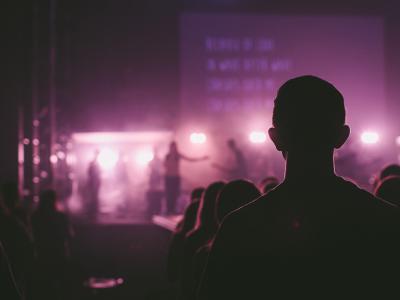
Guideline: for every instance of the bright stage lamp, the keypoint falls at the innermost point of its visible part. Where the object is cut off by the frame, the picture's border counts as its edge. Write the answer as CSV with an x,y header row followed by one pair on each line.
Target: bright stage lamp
x,y
257,137
198,138
144,157
107,159
398,141
369,137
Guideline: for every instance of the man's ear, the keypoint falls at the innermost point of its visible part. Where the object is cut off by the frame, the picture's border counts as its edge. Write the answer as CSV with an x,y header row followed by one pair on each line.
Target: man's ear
x,y
342,137
276,139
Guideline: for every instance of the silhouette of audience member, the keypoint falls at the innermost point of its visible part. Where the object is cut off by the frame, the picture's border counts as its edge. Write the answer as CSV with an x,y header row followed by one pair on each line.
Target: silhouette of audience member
x,y
389,189
18,246
196,194
238,167
315,235
52,233
8,285
390,170
234,195
202,234
195,197
173,176
175,254
268,184
11,200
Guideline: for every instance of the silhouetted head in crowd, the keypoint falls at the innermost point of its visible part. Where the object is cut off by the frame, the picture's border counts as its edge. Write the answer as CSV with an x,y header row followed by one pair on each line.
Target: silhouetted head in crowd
x,y
206,215
308,117
268,183
390,170
10,195
188,222
47,201
234,195
197,193
389,189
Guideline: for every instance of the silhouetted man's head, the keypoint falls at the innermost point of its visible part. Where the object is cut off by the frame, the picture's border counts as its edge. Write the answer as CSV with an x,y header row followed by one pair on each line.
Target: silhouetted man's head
x,y
309,114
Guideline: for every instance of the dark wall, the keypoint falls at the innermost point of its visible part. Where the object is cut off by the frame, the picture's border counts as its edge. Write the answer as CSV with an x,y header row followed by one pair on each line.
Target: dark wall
x,y
120,64
15,57
119,61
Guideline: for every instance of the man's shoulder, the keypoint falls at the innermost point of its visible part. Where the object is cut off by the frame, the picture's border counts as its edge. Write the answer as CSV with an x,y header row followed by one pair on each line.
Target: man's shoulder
x,y
352,192
255,211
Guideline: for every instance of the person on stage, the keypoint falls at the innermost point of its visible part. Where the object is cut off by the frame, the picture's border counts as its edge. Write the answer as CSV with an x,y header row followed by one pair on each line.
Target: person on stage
x,y
173,177
94,182
237,168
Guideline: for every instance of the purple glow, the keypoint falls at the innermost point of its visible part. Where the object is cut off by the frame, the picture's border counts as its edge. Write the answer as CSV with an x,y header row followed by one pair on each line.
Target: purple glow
x,y
398,141
61,155
144,156
107,158
369,137
258,137
53,159
198,138
103,283
71,159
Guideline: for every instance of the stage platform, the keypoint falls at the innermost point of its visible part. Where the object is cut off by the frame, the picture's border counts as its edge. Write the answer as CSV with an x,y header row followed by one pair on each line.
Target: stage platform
x,y
167,222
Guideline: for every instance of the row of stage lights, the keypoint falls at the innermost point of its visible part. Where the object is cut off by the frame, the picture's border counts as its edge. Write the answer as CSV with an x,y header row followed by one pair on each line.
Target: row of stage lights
x,y
108,158
260,137
255,137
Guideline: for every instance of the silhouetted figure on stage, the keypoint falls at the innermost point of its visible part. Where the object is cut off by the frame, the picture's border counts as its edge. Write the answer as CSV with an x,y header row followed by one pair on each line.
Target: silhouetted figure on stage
x,y
315,236
52,233
173,176
93,185
238,167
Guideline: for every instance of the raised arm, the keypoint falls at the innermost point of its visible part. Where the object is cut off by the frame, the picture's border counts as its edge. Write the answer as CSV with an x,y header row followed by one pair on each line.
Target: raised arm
x,y
193,159
222,168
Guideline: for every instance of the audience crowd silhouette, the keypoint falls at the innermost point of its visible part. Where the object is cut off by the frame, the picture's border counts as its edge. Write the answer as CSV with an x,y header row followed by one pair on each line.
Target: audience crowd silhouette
x,y
313,235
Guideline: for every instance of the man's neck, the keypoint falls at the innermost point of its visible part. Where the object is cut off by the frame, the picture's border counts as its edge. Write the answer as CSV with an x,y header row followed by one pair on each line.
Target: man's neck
x,y
303,166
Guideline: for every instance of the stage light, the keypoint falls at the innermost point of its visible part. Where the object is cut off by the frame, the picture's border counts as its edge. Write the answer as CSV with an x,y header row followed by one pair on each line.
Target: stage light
x,y
71,159
198,138
144,157
258,137
398,141
61,155
53,159
369,137
107,158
